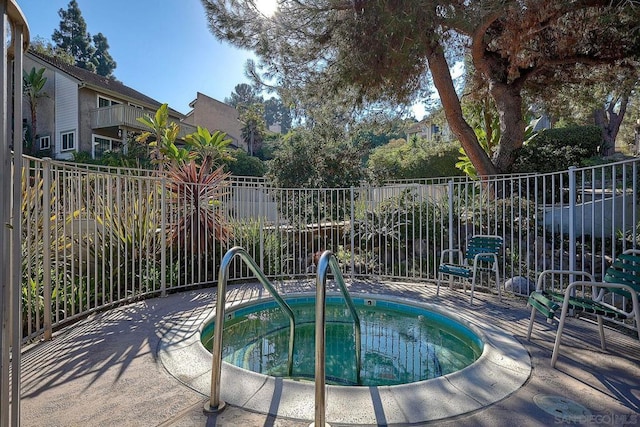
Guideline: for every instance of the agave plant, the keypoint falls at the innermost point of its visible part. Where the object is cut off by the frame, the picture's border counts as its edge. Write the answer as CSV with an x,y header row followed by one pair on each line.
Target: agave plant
x,y
195,196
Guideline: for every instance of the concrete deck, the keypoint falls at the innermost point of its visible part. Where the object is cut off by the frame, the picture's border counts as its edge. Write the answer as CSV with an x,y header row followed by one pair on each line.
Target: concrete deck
x,y
109,369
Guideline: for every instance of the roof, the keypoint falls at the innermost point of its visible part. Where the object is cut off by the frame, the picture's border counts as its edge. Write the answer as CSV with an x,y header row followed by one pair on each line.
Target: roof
x,y
101,83
416,127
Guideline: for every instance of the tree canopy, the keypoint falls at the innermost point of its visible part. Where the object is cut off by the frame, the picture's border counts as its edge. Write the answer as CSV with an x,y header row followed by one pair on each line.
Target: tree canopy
x,y
362,52
72,38
243,96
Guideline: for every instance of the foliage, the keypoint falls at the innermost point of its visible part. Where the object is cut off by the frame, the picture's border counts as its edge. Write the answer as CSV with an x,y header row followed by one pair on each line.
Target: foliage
x,y
44,47
32,246
262,243
595,95
211,148
33,86
102,59
414,159
388,51
253,126
407,221
72,38
276,113
243,96
245,165
557,149
270,146
482,116
195,193
163,135
306,160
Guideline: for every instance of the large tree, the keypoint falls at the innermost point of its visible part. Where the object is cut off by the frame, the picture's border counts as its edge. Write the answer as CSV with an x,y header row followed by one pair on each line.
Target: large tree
x,y
72,38
33,89
277,113
390,50
599,97
102,59
243,96
253,127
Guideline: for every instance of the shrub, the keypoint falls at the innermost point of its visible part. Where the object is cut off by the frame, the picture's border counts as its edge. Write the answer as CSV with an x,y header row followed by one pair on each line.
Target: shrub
x,y
413,159
557,149
245,165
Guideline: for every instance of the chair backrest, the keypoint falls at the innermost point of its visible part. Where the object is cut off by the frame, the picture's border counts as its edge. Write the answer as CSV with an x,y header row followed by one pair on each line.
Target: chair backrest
x,y
479,244
625,270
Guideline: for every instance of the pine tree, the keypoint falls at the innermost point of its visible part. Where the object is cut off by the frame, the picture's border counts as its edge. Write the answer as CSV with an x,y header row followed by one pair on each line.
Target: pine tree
x,y
103,61
73,38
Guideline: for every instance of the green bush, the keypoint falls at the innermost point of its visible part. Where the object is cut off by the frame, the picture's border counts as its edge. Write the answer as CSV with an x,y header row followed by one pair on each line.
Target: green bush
x,y
413,159
557,149
245,165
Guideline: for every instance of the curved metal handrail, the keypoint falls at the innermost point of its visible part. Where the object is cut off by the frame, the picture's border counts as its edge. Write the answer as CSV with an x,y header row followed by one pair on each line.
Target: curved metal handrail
x,y
328,260
215,404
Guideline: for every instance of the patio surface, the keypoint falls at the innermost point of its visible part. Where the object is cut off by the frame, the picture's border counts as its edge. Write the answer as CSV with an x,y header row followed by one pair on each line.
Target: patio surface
x,y
106,371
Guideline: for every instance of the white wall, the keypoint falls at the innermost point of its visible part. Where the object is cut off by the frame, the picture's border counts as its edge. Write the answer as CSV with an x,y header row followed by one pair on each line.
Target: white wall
x,y
66,113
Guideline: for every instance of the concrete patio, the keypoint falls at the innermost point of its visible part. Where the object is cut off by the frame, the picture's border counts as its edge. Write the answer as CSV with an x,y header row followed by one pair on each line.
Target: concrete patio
x,y
105,370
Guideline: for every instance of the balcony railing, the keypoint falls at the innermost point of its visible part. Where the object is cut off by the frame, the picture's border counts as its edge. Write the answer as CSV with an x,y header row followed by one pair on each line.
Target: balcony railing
x,y
126,116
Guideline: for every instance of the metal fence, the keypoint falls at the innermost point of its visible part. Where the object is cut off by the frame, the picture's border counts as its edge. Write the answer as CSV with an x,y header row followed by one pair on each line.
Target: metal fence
x,y
96,237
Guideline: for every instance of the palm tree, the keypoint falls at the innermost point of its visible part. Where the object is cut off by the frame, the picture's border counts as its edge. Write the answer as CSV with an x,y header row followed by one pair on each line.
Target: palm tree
x,y
33,85
253,127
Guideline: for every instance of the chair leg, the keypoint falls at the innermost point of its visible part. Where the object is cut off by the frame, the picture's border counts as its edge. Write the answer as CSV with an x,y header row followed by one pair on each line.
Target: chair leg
x,y
473,285
498,284
438,284
556,346
531,320
603,345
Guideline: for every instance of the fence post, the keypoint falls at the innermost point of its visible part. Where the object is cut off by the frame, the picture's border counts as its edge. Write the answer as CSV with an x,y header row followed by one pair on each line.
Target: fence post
x,y
572,219
163,236
261,213
353,238
46,243
451,232
18,30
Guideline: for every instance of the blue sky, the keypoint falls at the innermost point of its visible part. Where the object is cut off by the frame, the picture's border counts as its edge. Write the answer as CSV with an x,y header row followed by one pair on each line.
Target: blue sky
x,y
163,48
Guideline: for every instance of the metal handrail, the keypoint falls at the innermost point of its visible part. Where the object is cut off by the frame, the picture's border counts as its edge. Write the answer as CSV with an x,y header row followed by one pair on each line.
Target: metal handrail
x,y
215,405
328,260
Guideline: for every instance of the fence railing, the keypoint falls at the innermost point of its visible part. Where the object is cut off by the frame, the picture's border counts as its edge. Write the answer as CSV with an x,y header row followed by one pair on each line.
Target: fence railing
x,y
94,238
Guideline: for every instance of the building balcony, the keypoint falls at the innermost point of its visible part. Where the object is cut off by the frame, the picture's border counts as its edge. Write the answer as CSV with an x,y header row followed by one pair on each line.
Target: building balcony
x,y
125,116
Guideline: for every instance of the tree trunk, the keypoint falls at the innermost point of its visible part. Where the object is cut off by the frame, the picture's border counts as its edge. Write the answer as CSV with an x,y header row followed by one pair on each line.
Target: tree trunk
x,y
609,123
453,112
509,105
34,126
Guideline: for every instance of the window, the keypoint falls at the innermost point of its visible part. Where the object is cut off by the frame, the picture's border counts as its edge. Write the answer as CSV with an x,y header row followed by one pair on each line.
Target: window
x,y
101,145
139,107
106,102
68,141
45,142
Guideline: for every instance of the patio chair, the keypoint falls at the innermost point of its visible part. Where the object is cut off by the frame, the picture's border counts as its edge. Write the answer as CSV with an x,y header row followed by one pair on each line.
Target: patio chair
x,y
589,296
481,255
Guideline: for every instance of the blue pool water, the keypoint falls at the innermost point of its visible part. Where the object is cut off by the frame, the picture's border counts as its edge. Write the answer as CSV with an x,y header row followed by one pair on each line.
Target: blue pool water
x,y
401,343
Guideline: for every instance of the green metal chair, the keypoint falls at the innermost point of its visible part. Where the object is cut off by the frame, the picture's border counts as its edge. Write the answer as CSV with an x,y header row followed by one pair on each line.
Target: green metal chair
x,y
589,296
481,255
